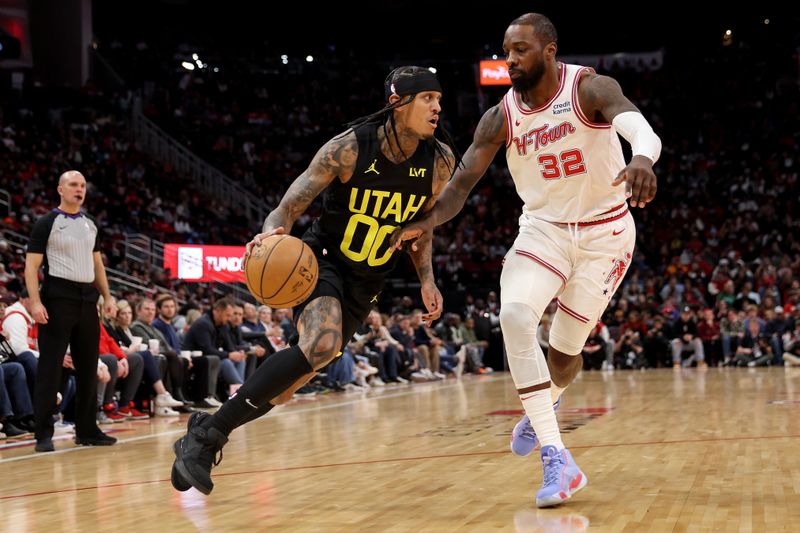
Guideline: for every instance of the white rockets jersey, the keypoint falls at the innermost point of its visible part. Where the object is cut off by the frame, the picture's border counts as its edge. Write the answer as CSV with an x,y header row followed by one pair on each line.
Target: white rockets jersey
x,y
562,163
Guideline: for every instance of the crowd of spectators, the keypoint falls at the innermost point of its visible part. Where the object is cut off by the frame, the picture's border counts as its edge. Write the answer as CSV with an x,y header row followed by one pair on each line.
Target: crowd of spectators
x,y
715,279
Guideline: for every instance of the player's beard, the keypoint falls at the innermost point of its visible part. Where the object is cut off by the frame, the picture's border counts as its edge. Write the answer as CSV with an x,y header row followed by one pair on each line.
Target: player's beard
x,y
528,81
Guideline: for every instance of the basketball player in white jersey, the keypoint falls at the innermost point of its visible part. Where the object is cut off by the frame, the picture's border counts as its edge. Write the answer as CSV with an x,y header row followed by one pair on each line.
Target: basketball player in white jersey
x,y
559,125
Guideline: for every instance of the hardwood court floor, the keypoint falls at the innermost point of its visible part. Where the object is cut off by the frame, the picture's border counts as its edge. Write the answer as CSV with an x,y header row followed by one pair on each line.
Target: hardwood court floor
x,y
663,451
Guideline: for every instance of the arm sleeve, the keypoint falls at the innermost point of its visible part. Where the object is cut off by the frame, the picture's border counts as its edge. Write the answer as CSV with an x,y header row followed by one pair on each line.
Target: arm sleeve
x,y
636,130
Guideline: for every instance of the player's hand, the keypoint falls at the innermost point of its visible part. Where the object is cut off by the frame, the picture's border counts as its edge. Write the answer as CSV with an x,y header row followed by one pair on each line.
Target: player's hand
x,y
413,232
432,299
640,181
257,241
39,313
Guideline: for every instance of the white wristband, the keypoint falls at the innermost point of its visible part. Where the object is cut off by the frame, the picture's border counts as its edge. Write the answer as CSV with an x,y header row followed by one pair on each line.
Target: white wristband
x,y
637,131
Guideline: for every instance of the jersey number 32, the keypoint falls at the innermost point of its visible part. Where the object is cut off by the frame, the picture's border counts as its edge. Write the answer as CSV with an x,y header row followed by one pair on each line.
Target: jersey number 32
x,y
567,163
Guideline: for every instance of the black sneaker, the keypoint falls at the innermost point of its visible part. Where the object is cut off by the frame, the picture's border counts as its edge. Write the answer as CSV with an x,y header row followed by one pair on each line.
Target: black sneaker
x,y
44,445
177,480
98,439
195,453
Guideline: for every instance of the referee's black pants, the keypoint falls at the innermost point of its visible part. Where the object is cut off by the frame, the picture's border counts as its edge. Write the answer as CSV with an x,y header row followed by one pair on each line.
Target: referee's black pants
x,y
75,323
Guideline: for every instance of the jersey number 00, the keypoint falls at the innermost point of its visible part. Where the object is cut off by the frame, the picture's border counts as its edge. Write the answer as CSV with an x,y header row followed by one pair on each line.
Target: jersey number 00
x,y
376,235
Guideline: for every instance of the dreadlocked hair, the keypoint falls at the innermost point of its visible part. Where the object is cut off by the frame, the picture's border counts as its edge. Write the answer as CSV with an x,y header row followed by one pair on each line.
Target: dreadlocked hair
x,y
386,115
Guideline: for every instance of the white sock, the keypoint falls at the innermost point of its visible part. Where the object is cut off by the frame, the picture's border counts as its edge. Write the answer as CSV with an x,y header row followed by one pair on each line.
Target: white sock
x,y
539,409
556,392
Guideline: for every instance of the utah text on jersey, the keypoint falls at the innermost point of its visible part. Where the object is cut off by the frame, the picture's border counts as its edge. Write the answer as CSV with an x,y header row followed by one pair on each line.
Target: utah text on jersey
x,y
370,211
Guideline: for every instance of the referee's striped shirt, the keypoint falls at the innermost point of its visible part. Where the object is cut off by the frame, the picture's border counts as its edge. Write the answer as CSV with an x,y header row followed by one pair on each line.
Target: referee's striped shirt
x,y
67,242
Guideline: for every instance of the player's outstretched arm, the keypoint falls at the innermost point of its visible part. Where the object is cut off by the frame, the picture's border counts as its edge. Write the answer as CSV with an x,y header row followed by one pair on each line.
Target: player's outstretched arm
x,y
489,136
601,99
336,158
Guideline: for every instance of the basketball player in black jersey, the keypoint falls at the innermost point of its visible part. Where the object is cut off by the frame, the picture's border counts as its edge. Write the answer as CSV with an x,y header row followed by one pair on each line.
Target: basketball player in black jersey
x,y
382,173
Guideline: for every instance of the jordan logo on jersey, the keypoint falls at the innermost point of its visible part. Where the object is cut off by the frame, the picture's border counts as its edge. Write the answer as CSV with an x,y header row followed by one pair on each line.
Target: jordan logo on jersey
x,y
372,168
542,136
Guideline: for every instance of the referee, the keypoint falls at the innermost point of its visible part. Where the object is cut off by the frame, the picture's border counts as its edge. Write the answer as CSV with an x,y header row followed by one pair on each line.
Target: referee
x,y
67,242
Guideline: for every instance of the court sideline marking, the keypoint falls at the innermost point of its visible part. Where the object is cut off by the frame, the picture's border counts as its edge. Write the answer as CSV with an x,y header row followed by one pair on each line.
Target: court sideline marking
x,y
390,460
283,412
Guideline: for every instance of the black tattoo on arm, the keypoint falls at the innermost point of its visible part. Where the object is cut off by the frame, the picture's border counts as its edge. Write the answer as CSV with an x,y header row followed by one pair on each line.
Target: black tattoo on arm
x,y
444,168
336,158
422,258
600,98
320,328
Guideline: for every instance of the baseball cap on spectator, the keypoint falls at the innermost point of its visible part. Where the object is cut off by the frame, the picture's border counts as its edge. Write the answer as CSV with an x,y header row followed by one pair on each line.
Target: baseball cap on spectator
x,y
686,309
779,309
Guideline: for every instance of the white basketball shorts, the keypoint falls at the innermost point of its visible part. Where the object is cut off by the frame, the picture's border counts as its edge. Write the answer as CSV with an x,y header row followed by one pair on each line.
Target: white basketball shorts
x,y
579,264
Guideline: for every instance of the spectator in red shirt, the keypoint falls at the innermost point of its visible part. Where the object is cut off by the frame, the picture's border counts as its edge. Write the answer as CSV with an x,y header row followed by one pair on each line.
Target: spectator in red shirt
x,y
129,369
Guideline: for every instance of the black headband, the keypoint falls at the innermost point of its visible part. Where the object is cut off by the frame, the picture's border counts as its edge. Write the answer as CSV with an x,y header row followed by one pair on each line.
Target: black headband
x,y
419,82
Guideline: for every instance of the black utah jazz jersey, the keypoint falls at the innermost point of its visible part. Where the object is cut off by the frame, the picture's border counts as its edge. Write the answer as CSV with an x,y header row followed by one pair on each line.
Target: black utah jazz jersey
x,y
360,215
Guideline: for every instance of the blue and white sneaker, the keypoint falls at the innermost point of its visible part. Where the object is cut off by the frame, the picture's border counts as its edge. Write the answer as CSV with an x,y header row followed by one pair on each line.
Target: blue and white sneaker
x,y
562,477
523,437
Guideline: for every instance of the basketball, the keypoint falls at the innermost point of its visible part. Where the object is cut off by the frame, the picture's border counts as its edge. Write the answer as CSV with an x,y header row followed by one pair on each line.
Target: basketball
x,y
282,272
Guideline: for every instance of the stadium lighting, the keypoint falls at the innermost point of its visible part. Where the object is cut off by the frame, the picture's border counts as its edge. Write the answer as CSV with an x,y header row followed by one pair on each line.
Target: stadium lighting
x,y
432,69
310,58
766,21
728,33
494,56
195,57
187,65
